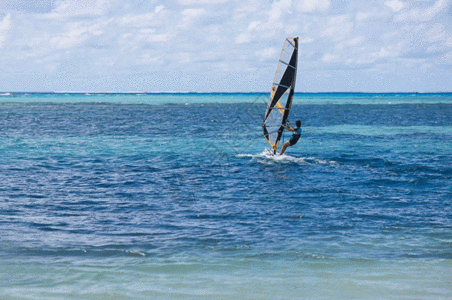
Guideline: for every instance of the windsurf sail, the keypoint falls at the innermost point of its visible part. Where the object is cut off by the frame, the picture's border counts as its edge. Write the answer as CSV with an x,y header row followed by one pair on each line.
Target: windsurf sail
x,y
281,95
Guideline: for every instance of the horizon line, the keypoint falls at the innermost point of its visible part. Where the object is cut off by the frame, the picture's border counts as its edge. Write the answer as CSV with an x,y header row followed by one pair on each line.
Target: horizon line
x,y
5,93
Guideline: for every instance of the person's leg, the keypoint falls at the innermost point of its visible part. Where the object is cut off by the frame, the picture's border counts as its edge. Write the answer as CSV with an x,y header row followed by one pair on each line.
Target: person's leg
x,y
284,147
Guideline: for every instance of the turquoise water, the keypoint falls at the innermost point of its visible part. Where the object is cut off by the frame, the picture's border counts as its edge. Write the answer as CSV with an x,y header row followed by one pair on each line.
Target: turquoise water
x,y
192,98
172,196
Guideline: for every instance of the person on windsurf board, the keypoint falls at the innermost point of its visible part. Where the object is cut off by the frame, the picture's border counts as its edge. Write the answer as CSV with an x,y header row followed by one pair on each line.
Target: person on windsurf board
x,y
295,137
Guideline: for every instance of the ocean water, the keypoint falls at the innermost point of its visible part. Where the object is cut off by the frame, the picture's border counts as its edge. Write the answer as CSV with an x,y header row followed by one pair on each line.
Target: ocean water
x,y
172,196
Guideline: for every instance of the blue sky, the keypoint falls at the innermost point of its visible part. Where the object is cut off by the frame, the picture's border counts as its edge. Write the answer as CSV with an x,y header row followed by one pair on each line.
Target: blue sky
x,y
224,45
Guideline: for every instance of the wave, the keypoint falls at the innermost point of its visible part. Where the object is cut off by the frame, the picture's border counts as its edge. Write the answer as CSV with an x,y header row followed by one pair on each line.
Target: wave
x,y
267,157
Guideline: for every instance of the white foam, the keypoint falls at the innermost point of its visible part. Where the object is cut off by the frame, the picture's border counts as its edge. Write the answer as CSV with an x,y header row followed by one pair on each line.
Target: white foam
x,y
267,157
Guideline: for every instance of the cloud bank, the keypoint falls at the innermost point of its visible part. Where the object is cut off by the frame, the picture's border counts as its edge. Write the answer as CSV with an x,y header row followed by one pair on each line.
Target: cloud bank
x,y
224,45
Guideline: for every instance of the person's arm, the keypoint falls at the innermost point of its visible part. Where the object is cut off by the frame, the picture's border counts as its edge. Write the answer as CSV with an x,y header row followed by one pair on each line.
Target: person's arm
x,y
291,128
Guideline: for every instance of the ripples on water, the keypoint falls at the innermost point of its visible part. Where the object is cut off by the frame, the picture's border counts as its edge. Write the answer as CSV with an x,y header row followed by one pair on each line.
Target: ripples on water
x,y
187,190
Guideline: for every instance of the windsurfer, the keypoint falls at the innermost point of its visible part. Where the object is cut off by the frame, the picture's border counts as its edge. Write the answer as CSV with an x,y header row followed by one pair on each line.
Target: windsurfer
x,y
295,137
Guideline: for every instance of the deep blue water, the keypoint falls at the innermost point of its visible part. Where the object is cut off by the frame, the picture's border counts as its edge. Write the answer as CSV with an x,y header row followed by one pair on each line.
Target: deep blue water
x,y
172,196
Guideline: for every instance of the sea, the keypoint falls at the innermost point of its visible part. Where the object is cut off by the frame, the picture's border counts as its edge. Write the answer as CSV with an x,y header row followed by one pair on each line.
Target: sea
x,y
174,196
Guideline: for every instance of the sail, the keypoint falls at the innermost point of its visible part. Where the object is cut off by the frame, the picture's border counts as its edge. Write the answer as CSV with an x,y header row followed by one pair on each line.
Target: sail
x,y
281,95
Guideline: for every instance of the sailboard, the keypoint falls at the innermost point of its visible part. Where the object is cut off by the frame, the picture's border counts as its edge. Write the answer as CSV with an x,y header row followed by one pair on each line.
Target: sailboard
x,y
281,96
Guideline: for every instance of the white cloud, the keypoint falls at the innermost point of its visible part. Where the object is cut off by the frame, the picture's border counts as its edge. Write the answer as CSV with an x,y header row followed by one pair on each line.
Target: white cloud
x,y
436,34
90,37
192,13
244,37
150,35
155,18
395,5
245,9
329,58
159,9
143,20
278,8
377,15
107,61
47,59
446,58
150,59
189,16
158,37
267,53
253,25
77,35
338,28
423,14
355,41
364,16
191,2
306,40
268,23
184,58
385,52
312,5
5,26
72,8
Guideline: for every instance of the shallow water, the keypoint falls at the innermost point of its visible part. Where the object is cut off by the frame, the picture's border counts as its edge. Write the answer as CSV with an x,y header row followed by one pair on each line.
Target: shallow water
x,y
174,197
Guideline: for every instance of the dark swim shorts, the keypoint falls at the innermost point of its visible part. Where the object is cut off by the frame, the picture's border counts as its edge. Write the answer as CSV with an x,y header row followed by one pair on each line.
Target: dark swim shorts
x,y
294,139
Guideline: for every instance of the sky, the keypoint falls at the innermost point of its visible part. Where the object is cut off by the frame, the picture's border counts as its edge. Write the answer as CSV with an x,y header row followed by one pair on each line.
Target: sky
x,y
224,45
